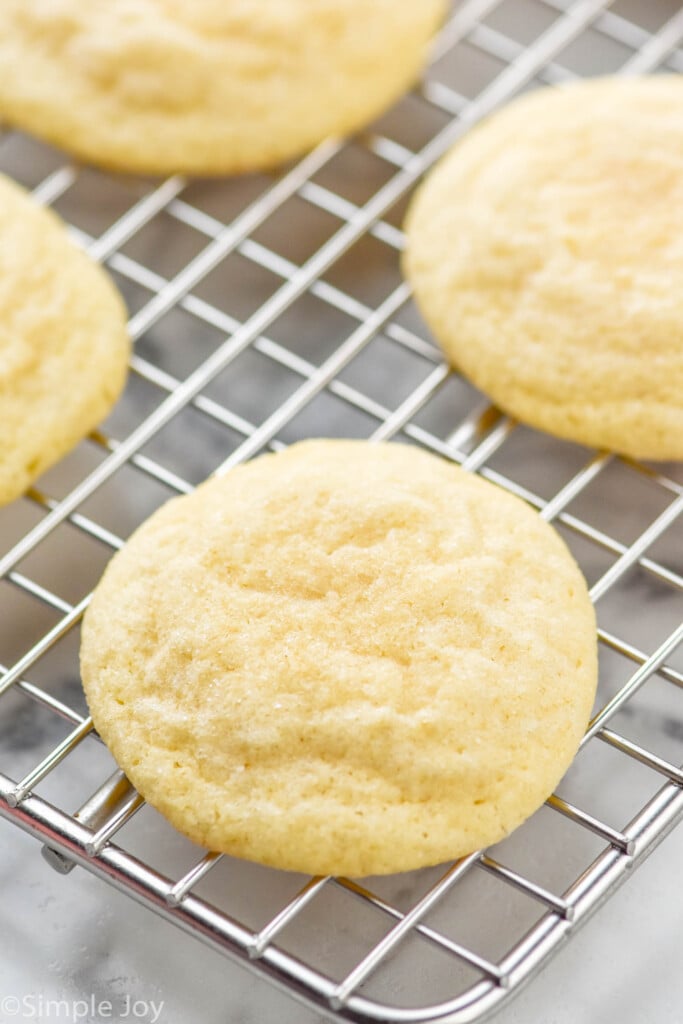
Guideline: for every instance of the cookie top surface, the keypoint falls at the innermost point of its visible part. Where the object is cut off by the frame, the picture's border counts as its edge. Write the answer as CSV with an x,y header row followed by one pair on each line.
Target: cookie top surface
x,y
205,86
63,341
342,659
546,253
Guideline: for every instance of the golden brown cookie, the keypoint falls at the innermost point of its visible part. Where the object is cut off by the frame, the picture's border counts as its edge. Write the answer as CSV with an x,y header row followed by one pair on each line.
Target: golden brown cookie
x,y
546,253
343,659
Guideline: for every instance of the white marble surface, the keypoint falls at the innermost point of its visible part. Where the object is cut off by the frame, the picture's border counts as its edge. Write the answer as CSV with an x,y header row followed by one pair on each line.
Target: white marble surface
x,y
76,938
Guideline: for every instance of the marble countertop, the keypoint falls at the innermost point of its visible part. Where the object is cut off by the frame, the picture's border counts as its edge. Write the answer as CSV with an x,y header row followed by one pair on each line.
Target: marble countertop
x,y
77,939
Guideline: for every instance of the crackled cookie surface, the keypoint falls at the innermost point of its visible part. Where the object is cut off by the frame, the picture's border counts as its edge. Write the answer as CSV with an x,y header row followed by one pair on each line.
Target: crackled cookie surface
x,y
205,86
343,659
546,253
63,341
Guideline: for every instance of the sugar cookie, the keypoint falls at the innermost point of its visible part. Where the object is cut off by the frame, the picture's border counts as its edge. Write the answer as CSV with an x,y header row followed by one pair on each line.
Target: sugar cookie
x,y
205,86
63,341
546,253
345,658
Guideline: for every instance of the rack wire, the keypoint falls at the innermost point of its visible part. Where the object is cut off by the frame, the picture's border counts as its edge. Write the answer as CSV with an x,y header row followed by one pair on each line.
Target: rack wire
x,y
270,308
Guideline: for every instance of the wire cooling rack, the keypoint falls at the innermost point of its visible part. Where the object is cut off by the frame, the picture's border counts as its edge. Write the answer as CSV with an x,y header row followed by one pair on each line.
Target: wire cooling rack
x,y
270,308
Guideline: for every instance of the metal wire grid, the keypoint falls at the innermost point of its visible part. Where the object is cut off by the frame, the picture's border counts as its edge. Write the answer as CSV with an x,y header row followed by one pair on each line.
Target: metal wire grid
x,y
417,914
